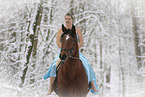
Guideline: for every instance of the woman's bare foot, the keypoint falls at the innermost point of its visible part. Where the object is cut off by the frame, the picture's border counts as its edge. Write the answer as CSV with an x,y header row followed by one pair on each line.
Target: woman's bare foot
x,y
52,79
93,87
49,91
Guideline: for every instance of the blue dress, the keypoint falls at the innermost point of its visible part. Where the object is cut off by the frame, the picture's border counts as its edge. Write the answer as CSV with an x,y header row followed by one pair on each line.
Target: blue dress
x,y
90,73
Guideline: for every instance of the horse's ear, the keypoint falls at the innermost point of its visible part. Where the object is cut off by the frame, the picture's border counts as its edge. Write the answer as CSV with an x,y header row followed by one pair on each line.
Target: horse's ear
x,y
73,28
63,28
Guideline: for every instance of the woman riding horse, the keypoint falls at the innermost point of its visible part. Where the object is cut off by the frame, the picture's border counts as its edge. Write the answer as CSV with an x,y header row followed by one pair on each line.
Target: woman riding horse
x,y
72,79
52,69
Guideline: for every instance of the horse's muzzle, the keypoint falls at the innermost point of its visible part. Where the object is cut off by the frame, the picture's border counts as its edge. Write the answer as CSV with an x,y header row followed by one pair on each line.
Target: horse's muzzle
x,y
63,57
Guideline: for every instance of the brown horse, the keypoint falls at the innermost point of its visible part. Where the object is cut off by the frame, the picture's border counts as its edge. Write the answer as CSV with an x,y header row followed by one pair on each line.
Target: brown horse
x,y
72,79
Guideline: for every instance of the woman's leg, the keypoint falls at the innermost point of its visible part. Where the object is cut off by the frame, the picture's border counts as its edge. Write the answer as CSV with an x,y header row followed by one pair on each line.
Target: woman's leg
x,y
52,78
58,61
90,72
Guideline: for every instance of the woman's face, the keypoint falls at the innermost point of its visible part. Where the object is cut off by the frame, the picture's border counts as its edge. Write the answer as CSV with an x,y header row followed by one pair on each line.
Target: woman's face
x,y
68,20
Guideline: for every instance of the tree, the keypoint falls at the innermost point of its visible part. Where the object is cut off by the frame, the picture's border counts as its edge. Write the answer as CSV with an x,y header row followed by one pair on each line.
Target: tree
x,y
136,34
28,46
32,47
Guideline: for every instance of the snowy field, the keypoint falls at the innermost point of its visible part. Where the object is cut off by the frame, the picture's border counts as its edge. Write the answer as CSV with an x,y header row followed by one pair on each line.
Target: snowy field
x,y
11,91
7,90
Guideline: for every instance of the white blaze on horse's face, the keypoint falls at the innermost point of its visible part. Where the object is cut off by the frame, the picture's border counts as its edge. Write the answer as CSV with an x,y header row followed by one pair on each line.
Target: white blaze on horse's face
x,y
67,37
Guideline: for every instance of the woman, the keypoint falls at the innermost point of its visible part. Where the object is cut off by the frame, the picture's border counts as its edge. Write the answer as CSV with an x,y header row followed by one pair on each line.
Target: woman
x,y
52,70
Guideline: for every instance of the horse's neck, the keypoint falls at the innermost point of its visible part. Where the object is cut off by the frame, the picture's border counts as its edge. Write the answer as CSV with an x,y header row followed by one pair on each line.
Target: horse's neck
x,y
72,65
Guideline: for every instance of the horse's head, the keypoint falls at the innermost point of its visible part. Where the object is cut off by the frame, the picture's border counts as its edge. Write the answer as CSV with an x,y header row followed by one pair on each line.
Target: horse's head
x,y
68,43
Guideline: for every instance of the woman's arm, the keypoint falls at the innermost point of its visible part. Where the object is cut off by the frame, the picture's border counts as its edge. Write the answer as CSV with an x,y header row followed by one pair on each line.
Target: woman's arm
x,y
58,38
80,38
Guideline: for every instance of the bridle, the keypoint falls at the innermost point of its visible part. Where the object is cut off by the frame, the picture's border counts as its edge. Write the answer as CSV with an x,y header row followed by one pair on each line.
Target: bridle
x,y
69,53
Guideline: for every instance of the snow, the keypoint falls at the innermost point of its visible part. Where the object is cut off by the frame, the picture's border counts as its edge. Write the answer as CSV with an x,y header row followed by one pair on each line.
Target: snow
x,y
108,45
8,90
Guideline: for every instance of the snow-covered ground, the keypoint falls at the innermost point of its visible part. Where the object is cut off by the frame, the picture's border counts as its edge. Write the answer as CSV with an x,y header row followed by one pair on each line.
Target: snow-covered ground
x,y
11,91
7,90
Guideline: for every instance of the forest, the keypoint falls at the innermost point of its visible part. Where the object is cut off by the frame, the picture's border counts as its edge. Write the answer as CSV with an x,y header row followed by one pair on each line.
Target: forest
x,y
114,44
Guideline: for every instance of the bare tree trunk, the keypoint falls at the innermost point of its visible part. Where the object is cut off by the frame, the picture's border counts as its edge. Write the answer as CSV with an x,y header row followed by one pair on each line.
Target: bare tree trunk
x,y
50,17
143,50
136,35
28,54
101,68
101,59
51,12
122,75
27,60
36,29
32,48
